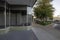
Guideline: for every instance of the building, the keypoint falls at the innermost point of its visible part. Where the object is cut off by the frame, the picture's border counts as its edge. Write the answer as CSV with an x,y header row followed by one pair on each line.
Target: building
x,y
56,18
15,12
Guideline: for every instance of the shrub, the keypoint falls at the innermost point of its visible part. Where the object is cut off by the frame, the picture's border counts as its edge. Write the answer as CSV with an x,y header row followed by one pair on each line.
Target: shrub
x,y
43,23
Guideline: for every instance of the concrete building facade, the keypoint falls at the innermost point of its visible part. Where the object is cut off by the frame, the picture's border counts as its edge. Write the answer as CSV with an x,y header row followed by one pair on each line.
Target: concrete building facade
x,y
15,13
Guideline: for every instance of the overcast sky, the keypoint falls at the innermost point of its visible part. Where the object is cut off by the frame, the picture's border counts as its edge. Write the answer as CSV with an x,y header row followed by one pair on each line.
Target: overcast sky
x,y
56,5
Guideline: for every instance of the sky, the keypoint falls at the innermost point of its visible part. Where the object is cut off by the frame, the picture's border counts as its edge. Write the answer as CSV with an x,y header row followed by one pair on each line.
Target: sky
x,y
56,5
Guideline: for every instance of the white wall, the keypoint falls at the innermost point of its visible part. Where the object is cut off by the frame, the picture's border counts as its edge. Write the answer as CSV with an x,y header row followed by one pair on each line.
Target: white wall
x,y
29,16
29,10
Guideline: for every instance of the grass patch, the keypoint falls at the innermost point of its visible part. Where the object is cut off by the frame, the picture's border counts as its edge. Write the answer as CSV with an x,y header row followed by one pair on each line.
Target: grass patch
x,y
18,28
2,32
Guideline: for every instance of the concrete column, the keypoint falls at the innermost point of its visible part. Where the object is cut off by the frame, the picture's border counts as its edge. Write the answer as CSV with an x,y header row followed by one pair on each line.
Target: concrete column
x,y
27,17
9,17
29,12
5,14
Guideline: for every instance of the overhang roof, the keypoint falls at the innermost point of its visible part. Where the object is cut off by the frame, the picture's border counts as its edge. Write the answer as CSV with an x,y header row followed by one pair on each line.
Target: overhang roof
x,y
22,2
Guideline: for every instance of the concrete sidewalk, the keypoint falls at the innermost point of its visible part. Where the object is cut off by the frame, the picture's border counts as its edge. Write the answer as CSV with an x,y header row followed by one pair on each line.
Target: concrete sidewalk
x,y
45,33
19,35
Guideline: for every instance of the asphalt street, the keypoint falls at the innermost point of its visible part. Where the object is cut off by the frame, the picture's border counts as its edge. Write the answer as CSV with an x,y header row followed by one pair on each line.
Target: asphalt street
x,y
56,26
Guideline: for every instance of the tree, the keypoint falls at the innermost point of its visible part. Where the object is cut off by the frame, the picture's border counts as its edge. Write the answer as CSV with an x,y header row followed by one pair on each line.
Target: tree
x,y
44,10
